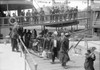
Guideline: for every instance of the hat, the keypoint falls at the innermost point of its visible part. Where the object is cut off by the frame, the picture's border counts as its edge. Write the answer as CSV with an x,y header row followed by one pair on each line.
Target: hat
x,y
56,33
92,49
66,34
62,34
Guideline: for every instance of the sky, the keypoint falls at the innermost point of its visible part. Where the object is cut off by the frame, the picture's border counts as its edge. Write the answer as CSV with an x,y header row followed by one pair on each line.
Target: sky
x,y
81,4
73,3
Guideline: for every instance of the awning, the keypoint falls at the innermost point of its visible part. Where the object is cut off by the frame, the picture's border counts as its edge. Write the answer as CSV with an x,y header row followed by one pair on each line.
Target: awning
x,y
63,24
15,4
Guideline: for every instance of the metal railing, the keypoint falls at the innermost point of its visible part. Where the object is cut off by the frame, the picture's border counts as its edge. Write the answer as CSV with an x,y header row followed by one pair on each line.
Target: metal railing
x,y
84,39
42,19
25,52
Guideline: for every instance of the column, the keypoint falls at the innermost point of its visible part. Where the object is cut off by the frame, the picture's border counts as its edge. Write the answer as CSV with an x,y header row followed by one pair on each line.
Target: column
x,y
90,20
19,11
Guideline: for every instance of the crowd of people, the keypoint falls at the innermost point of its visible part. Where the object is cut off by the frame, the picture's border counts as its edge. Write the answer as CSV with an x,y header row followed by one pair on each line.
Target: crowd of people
x,y
49,44
55,14
44,42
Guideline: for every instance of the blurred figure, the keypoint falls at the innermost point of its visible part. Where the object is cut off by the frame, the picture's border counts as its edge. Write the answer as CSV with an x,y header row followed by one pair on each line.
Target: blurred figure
x,y
27,38
75,14
56,13
70,13
62,14
28,16
89,59
24,34
14,14
54,47
35,16
10,35
22,14
35,45
34,34
42,13
8,15
14,40
63,53
52,14
66,13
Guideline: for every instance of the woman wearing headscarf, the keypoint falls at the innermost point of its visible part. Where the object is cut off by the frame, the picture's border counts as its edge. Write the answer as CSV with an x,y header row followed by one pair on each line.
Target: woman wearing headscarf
x,y
89,59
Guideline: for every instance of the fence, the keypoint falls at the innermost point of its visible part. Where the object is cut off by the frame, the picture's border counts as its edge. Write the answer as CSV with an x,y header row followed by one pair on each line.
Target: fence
x,y
25,52
40,19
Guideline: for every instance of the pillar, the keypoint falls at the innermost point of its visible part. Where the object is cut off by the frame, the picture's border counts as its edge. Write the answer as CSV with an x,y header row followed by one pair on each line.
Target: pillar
x,y
90,20
19,11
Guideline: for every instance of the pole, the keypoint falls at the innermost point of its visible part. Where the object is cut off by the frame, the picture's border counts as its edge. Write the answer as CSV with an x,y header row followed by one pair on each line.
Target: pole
x,y
7,7
87,13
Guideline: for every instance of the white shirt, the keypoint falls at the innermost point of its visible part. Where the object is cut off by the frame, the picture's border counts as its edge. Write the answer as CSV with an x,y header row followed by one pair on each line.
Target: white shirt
x,y
55,43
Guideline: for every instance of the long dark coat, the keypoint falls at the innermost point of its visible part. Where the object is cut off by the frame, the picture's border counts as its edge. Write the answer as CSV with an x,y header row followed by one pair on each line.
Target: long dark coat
x,y
89,62
63,53
47,43
27,39
53,49
34,34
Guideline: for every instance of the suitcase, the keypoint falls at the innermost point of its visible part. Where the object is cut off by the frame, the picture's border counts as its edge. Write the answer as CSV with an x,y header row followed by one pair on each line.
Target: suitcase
x,y
49,55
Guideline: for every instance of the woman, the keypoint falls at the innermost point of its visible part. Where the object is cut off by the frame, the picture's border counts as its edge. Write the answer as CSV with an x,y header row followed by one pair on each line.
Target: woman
x,y
89,59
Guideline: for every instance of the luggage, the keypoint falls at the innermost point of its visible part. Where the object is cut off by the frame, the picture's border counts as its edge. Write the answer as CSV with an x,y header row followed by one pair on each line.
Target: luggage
x,y
49,55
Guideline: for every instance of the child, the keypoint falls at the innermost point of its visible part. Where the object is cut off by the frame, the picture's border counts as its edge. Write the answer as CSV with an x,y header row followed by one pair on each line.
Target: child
x,y
89,59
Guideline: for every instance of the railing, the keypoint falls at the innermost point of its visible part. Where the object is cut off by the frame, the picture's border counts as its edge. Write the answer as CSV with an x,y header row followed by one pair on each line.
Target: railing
x,y
25,52
42,19
96,22
83,42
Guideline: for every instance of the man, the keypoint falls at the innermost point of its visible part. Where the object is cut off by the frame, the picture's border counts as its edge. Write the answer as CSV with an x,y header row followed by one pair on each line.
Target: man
x,y
28,14
54,47
35,16
63,53
22,14
10,35
27,38
42,13
14,40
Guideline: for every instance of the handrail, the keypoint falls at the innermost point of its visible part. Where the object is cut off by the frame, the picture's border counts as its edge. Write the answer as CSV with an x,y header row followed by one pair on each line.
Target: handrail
x,y
40,19
81,37
35,64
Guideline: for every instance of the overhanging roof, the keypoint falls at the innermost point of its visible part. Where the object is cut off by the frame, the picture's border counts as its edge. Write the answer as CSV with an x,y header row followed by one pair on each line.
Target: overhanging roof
x,y
15,4
63,24
95,6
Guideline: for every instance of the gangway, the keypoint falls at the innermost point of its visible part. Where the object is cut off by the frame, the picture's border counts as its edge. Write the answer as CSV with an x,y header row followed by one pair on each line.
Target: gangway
x,y
76,63
47,21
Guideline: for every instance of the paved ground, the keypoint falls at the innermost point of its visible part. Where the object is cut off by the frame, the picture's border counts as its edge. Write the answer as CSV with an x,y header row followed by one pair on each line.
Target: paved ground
x,y
10,60
76,63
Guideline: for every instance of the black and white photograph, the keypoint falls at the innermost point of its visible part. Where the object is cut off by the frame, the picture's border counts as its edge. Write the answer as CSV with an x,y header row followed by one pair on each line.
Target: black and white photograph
x,y
49,34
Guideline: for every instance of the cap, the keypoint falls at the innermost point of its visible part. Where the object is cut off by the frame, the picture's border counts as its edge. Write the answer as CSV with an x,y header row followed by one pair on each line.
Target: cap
x,y
56,33
92,49
62,34
66,34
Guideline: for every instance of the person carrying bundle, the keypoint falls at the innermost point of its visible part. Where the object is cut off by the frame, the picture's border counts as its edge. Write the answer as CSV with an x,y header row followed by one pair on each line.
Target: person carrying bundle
x,y
89,59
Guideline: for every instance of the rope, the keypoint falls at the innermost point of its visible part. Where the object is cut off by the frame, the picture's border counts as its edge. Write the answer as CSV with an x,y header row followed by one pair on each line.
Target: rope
x,y
27,51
